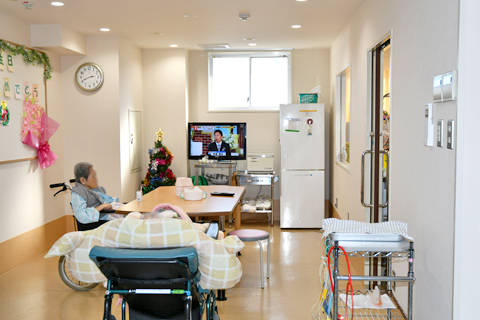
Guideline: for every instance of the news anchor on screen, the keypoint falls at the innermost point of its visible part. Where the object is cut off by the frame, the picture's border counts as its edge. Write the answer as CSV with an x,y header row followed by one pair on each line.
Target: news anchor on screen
x,y
219,148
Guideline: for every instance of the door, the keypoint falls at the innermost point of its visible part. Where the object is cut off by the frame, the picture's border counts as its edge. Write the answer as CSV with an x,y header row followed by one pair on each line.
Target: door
x,y
375,159
302,202
302,137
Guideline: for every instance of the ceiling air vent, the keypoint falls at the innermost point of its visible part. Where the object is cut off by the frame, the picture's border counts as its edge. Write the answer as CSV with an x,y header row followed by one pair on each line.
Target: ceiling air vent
x,y
214,46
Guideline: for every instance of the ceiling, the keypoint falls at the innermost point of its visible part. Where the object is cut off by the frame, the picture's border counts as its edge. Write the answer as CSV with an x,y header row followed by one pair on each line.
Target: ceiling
x,y
189,23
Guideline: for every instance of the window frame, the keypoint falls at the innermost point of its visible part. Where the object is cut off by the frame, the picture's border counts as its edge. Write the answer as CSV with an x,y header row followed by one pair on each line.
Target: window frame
x,y
250,55
341,117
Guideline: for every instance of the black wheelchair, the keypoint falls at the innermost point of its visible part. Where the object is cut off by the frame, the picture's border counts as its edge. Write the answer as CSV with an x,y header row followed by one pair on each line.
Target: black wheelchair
x,y
155,283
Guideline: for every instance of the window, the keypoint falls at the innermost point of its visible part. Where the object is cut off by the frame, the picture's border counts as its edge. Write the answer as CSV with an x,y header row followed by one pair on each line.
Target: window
x,y
343,118
249,81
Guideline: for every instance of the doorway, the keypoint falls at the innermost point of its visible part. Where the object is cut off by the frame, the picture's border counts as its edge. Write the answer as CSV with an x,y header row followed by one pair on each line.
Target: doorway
x,y
376,157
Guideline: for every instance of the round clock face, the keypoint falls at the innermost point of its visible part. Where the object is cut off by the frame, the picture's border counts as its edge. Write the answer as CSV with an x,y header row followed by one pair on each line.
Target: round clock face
x,y
89,77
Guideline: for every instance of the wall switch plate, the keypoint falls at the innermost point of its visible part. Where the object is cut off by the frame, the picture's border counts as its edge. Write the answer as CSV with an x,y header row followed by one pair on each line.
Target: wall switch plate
x,y
437,88
428,126
445,87
450,133
440,133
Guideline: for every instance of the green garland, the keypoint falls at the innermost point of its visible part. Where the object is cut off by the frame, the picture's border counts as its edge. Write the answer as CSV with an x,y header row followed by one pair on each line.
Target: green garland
x,y
30,56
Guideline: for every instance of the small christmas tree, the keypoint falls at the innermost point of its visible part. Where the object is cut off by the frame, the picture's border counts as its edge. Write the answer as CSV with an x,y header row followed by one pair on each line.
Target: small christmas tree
x,y
158,173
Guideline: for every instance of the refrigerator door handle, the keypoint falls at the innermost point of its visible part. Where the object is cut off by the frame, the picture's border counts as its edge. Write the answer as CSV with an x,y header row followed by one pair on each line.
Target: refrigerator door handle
x,y
387,176
362,189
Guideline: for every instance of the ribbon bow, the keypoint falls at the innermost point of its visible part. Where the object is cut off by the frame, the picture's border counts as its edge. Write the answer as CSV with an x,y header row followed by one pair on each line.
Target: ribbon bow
x,y
48,126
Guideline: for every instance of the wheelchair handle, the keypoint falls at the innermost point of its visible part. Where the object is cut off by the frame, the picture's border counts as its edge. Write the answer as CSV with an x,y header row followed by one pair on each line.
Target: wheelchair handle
x,y
65,186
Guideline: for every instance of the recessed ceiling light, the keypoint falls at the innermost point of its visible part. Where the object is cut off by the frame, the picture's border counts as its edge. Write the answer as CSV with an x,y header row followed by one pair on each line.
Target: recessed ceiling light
x,y
189,15
252,44
174,45
57,4
249,39
301,0
157,33
296,26
104,29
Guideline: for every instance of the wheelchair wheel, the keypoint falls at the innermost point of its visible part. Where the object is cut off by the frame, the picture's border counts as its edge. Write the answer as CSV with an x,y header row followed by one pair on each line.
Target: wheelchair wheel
x,y
68,278
211,307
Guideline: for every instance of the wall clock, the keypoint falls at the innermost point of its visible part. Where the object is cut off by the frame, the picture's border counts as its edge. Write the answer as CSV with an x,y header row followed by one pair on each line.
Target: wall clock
x,y
89,76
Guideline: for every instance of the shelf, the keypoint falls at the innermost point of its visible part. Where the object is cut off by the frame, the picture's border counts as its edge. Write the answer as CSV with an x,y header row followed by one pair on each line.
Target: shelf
x,y
259,179
377,249
367,313
258,211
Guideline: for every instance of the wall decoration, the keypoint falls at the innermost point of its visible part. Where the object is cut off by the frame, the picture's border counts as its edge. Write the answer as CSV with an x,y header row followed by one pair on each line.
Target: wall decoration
x,y
31,56
37,129
5,113
29,69
35,91
10,65
2,63
27,90
18,90
7,91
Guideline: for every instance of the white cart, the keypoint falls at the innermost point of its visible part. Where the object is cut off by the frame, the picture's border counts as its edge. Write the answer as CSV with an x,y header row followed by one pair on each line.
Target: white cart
x,y
389,246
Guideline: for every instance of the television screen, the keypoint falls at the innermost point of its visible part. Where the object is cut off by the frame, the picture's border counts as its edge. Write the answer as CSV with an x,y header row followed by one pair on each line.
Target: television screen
x,y
218,140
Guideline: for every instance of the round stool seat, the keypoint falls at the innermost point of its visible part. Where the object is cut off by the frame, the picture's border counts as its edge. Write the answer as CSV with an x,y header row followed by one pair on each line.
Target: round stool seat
x,y
250,234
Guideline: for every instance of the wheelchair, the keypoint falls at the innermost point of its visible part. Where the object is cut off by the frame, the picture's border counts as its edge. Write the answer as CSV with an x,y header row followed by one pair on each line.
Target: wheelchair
x,y
155,283
63,271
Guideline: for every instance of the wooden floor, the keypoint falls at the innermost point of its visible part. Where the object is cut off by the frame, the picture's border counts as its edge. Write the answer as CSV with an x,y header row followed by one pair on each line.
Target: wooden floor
x,y
35,291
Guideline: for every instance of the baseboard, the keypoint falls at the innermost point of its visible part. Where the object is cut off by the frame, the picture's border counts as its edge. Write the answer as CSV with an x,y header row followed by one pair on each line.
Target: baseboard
x,y
333,211
28,245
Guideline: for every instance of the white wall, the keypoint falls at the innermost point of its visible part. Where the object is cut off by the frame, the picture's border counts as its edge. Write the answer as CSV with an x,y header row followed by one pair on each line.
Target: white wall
x,y
424,43
26,201
310,67
92,119
165,86
131,98
467,219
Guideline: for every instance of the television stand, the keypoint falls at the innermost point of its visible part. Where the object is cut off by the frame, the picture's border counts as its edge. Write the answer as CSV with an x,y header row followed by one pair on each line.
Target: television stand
x,y
231,166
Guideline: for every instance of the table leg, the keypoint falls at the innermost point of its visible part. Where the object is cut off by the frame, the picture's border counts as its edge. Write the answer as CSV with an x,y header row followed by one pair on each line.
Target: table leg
x,y
238,217
221,295
221,223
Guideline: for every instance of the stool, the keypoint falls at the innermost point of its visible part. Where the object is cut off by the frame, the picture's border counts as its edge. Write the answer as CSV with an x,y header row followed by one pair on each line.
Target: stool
x,y
248,235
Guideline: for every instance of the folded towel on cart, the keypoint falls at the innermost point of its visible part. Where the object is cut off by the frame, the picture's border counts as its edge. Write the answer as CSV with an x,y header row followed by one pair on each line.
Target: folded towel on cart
x,y
219,267
350,226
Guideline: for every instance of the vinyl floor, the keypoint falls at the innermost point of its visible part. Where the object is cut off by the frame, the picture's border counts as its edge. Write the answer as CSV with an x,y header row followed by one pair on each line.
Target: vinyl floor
x,y
34,290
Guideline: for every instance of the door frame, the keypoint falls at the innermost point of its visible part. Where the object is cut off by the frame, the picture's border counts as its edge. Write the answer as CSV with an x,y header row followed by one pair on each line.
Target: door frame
x,y
368,118
374,264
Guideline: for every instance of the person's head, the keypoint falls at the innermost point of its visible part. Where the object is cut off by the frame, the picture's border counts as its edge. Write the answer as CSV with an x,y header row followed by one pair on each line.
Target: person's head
x,y
218,135
86,174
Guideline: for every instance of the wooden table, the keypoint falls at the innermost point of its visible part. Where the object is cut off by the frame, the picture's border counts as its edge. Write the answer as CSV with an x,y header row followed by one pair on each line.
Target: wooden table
x,y
211,206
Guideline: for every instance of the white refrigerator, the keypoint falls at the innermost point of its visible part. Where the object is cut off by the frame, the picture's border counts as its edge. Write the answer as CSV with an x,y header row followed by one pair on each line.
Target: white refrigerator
x,y
302,182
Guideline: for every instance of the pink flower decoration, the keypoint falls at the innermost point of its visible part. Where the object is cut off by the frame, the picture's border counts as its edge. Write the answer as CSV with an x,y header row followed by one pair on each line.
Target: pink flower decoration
x,y
162,162
32,118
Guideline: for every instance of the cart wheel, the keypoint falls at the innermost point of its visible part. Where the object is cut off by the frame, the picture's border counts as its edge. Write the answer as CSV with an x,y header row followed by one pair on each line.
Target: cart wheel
x,y
68,278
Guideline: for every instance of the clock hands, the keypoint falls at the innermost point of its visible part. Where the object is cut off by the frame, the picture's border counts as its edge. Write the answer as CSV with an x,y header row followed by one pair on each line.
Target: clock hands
x,y
87,78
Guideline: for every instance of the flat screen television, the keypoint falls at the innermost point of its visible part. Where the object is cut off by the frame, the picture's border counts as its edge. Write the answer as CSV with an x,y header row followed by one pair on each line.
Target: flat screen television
x,y
201,136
